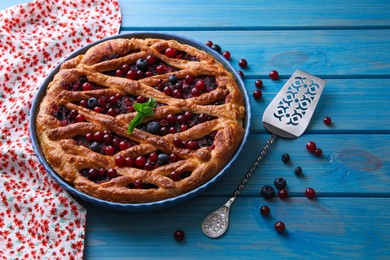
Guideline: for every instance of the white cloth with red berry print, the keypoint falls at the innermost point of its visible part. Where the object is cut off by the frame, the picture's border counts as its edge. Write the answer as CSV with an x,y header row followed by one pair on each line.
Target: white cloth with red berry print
x,y
39,220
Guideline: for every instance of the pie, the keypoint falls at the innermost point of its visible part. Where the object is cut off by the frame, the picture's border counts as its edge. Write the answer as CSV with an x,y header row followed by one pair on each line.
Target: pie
x,y
196,127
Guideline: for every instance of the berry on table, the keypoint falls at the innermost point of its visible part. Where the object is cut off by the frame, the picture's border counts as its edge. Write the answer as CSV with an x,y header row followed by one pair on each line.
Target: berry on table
x,y
283,194
209,43
274,75
310,193
327,120
280,183
265,211
279,226
259,83
243,63
311,146
257,94
216,47
285,157
226,54
179,235
298,170
268,192
242,75
318,152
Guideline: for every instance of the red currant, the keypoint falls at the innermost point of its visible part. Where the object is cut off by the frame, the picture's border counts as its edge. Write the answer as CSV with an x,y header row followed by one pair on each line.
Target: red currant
x,y
259,83
80,118
170,52
318,152
209,43
279,226
140,161
138,184
200,84
109,150
179,235
274,75
327,120
243,63
226,54
311,146
257,94
242,75
111,173
120,160
265,211
87,86
310,193
174,175
283,194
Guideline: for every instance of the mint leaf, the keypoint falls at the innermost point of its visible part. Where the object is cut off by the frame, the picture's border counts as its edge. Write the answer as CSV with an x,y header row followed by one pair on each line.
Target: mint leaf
x,y
136,121
143,110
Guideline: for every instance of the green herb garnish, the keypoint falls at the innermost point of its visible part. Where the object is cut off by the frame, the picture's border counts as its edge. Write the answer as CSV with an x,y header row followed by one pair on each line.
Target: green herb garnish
x,y
143,110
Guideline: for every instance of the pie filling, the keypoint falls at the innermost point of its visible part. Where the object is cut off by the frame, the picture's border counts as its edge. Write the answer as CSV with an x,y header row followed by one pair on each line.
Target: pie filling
x,y
174,123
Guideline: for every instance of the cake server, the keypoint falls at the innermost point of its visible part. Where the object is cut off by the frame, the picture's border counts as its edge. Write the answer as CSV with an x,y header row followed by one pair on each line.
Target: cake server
x,y
288,116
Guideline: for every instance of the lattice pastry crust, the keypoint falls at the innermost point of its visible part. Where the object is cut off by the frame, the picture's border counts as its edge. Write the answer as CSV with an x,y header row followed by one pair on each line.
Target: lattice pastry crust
x,y
83,120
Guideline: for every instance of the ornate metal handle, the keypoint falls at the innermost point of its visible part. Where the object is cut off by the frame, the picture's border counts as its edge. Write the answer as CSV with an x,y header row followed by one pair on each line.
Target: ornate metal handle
x,y
254,165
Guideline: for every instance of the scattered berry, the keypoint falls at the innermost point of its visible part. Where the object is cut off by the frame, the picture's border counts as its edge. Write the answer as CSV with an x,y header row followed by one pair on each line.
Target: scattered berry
x,y
285,157
226,54
283,194
310,193
265,211
259,83
268,192
274,75
279,226
280,183
209,43
216,47
179,235
327,120
311,146
257,94
243,63
298,170
318,152
242,75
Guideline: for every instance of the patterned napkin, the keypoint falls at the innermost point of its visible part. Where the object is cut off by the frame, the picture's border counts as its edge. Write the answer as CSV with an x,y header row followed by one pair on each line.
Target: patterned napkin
x,y
38,220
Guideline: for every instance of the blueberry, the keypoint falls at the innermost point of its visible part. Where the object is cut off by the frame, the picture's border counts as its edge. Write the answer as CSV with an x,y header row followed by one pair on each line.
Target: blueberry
x,y
216,47
268,192
163,158
173,79
94,147
153,127
142,64
298,170
285,157
280,183
92,102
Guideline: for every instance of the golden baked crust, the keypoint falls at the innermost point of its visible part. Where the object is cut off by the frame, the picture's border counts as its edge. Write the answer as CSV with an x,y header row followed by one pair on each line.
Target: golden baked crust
x,y
70,126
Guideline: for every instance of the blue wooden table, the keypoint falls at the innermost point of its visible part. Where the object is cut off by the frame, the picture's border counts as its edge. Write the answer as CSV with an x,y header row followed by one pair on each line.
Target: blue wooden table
x,y
345,42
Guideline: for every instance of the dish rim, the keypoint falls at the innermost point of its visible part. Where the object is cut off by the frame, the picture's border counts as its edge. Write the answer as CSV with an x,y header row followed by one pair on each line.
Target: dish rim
x,y
148,206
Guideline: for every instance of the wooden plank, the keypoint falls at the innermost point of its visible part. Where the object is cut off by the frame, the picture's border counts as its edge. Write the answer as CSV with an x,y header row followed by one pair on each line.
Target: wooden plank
x,y
326,53
355,105
332,228
351,165
159,15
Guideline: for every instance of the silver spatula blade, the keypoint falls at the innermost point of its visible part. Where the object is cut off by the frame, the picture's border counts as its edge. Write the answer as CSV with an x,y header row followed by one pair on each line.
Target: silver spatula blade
x,y
289,113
